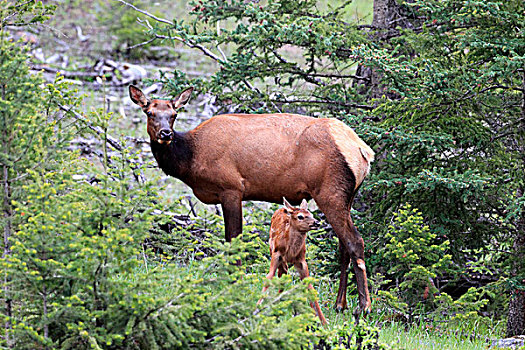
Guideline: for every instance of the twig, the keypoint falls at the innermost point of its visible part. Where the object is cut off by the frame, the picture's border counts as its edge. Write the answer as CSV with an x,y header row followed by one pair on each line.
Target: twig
x,y
188,43
142,43
113,142
275,300
65,73
192,45
145,260
192,207
217,46
146,13
348,105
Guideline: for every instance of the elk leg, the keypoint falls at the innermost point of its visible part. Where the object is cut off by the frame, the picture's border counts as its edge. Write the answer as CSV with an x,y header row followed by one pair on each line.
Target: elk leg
x,y
336,207
283,270
231,204
302,268
274,263
344,256
357,252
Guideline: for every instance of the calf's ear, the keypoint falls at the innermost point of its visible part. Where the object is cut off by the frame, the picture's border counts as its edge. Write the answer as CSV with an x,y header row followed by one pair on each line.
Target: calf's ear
x,y
304,205
287,205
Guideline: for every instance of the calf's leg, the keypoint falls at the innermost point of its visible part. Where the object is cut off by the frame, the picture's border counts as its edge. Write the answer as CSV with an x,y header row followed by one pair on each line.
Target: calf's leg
x,y
274,264
302,268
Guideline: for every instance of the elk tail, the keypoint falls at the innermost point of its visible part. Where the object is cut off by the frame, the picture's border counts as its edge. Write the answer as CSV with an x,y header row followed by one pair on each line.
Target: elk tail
x,y
367,153
347,142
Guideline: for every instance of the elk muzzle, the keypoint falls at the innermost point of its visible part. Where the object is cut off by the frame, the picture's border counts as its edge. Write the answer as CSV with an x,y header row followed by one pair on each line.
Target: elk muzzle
x,y
314,225
165,136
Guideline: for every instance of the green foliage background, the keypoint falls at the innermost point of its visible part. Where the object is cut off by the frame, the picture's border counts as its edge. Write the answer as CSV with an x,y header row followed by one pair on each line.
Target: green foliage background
x,y
446,120
87,261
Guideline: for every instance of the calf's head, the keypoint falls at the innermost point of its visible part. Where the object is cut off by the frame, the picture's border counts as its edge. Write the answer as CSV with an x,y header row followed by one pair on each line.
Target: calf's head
x,y
300,218
161,113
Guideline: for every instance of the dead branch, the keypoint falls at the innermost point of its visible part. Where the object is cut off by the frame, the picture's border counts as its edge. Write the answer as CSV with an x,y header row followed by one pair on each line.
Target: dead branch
x,y
110,140
98,130
65,73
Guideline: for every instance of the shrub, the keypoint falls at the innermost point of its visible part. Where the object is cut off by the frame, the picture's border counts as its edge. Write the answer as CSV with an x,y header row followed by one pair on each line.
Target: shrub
x,y
414,257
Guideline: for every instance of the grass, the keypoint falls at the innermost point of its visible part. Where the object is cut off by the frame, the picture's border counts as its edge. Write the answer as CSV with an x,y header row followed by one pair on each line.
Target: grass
x,y
396,334
423,337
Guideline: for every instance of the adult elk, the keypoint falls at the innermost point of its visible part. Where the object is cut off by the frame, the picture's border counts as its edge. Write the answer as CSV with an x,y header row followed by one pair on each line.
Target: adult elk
x,y
235,157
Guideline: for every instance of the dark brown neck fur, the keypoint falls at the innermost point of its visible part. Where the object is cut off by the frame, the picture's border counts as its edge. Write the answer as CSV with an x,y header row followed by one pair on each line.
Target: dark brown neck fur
x,y
174,159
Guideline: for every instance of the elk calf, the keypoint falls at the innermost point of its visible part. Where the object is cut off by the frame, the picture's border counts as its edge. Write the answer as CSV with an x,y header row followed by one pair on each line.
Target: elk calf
x,y
288,244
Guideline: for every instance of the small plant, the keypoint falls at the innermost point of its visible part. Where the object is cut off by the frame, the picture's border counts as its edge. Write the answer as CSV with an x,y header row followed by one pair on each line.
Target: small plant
x,y
359,335
415,258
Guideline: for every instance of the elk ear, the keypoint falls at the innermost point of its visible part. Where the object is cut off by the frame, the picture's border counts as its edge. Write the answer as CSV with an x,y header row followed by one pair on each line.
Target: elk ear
x,y
182,98
287,205
304,205
137,96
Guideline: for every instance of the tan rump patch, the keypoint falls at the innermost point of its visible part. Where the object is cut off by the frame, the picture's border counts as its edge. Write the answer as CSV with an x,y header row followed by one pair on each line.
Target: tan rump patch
x,y
357,153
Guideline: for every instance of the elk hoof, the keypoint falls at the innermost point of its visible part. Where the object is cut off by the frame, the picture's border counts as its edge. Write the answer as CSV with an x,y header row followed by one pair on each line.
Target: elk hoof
x,y
357,312
367,308
340,308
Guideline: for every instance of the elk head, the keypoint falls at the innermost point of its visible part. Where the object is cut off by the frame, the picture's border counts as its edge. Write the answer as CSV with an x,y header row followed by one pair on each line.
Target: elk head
x,y
161,113
300,218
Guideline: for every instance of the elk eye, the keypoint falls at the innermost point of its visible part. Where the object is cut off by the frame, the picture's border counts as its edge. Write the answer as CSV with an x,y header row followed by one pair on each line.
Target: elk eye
x,y
300,217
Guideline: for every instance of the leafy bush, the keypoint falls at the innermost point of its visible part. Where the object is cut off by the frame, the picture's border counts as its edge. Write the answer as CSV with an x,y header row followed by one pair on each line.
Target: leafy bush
x,y
34,139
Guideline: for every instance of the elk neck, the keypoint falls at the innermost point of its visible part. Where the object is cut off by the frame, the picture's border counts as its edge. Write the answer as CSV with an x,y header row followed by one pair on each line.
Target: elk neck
x,y
296,240
175,158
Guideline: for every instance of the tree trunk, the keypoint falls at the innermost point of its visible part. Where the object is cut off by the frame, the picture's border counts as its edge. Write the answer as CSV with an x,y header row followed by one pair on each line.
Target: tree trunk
x,y
387,16
383,10
516,318
5,253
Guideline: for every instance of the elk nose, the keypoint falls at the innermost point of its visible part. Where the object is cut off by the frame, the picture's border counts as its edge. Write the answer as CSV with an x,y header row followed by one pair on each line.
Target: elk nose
x,y
314,224
165,134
